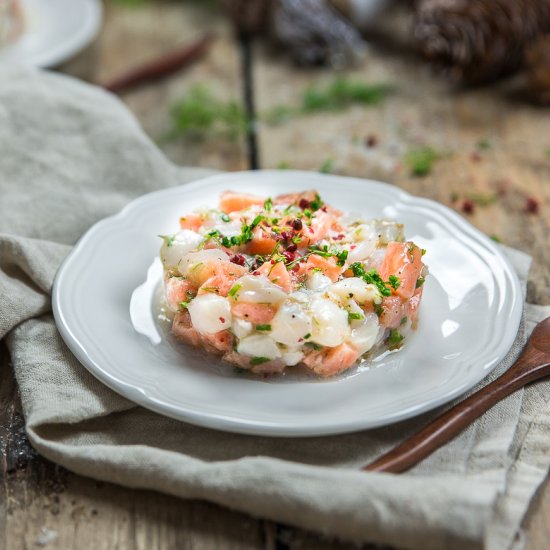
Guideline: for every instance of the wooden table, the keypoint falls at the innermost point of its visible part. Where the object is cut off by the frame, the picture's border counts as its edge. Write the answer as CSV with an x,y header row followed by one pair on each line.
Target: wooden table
x,y
493,148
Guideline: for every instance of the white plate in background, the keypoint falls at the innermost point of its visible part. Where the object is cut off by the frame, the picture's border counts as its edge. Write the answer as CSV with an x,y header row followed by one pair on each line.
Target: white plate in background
x,y
468,319
55,30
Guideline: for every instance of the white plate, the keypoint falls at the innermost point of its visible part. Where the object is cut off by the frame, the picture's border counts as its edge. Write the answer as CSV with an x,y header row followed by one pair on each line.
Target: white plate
x,y
55,30
468,319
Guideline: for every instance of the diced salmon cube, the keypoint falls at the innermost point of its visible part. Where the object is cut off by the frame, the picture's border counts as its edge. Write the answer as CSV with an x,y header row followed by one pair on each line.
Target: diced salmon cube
x,y
224,275
191,221
183,329
262,242
328,266
257,314
295,198
404,260
232,202
277,273
393,311
331,361
414,303
221,341
178,290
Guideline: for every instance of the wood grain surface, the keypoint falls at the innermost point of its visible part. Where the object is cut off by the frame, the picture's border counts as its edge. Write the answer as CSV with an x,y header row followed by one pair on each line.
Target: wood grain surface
x,y
42,505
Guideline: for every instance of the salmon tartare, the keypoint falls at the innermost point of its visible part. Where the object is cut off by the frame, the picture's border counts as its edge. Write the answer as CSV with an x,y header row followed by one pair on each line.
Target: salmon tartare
x,y
269,283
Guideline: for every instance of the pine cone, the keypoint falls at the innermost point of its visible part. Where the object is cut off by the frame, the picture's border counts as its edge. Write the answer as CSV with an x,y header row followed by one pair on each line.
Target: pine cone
x,y
482,40
537,59
316,33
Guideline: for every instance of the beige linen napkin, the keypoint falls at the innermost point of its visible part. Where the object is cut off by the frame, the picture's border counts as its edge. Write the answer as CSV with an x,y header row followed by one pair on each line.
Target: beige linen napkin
x,y
71,154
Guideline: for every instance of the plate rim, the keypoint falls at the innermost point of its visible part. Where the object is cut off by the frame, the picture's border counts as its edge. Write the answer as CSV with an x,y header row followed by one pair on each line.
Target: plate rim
x,y
264,428
53,56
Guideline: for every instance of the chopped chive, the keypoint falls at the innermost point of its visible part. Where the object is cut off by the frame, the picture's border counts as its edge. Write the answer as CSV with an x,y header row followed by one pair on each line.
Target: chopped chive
x,y
225,218
265,328
234,289
394,281
183,305
420,281
168,239
352,316
313,345
308,335
268,205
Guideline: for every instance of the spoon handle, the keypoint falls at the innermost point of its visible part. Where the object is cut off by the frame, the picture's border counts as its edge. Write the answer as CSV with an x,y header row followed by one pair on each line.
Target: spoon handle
x,y
531,365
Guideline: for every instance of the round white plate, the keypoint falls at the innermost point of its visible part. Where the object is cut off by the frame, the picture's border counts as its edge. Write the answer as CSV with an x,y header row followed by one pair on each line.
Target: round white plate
x,y
468,319
55,30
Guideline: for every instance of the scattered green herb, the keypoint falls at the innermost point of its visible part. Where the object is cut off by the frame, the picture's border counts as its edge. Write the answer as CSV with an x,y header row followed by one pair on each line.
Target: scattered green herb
x,y
268,204
483,144
265,328
326,167
183,305
283,165
225,218
313,345
352,316
496,238
316,203
234,289
483,199
308,335
394,282
370,277
213,289
420,160
395,338
168,239
420,281
259,360
342,93
200,113
403,321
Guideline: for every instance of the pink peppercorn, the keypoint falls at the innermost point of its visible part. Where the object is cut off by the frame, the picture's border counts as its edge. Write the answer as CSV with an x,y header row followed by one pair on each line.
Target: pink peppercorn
x,y
237,259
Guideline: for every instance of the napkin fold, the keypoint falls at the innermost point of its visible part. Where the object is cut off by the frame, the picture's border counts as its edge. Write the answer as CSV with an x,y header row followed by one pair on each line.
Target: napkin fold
x,y
71,154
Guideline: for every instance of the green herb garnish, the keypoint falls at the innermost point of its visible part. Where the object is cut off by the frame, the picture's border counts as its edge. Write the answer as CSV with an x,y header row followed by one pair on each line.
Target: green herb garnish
x,y
483,144
313,345
370,277
265,328
234,289
395,338
225,218
394,281
316,203
352,316
420,281
268,204
199,113
341,256
259,360
183,305
326,167
420,160
168,239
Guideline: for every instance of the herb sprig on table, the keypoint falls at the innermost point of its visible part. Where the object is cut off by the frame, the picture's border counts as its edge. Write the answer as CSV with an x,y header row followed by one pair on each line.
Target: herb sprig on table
x,y
200,113
335,96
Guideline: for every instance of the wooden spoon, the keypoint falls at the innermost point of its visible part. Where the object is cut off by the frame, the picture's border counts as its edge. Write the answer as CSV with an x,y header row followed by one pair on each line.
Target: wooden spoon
x,y
533,364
